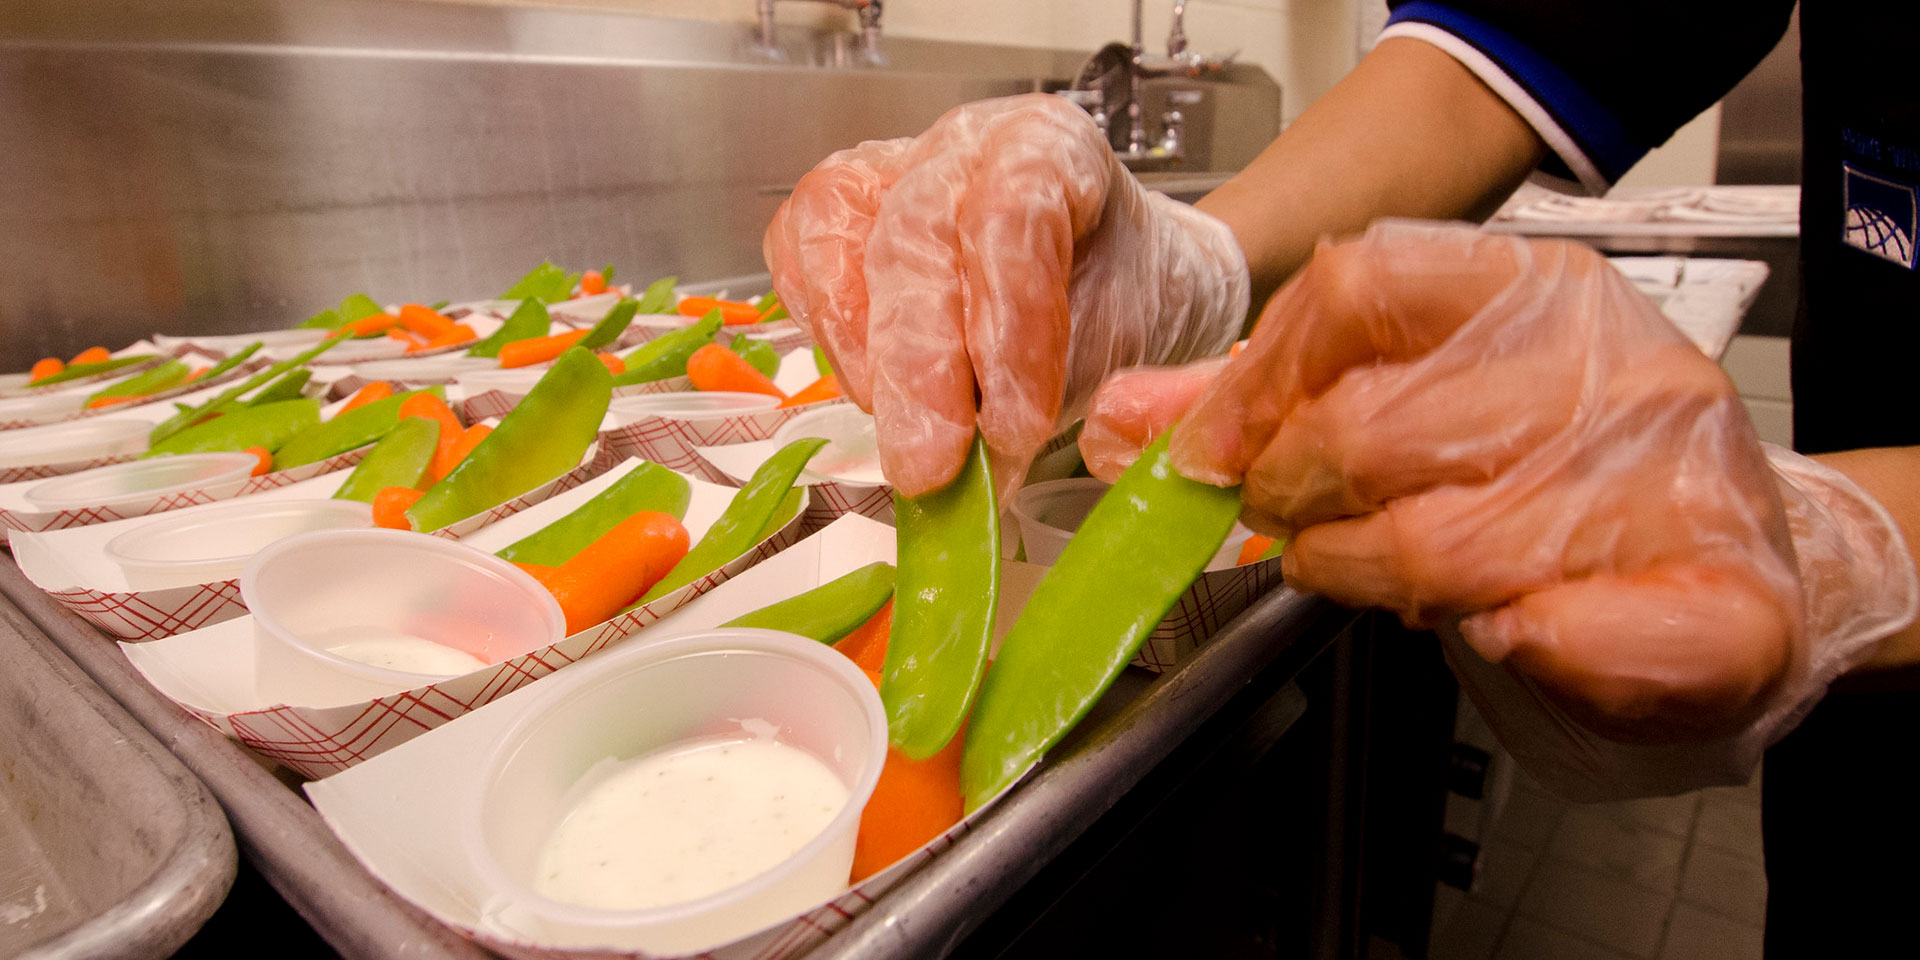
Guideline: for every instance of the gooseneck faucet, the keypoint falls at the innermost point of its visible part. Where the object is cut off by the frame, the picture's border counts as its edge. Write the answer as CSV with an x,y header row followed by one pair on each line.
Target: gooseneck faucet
x,y
869,11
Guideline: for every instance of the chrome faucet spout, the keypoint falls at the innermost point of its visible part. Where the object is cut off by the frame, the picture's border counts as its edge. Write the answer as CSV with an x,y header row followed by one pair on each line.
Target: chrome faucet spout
x,y
869,11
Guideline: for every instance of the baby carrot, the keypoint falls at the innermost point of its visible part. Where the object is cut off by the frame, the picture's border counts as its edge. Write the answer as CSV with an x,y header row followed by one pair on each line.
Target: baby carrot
x,y
526,353
1259,548
451,431
370,325
825,388
615,365
866,646
456,334
733,313
425,321
599,581
91,355
377,390
265,456
413,340
469,439
592,283
44,368
714,367
390,507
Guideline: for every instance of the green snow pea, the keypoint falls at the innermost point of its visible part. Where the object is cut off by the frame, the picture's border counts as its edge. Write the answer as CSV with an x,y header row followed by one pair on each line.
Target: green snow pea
x,y
610,326
229,362
783,514
771,308
81,371
666,355
758,353
529,319
648,486
829,611
291,386
658,297
1140,548
355,428
821,363
166,376
400,459
741,524
353,308
542,437
1274,549
544,282
269,425
189,416
943,624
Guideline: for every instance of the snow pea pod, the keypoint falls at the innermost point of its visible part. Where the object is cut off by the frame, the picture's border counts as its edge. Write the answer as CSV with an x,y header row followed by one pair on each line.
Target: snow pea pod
x,y
821,363
81,371
658,297
357,427
214,372
292,386
666,355
829,611
529,319
757,353
542,437
949,553
740,525
1140,548
269,426
648,486
153,380
400,459
189,416
610,326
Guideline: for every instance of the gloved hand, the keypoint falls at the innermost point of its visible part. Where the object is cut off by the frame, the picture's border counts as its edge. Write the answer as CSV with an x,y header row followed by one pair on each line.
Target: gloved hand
x,y
991,272
1505,437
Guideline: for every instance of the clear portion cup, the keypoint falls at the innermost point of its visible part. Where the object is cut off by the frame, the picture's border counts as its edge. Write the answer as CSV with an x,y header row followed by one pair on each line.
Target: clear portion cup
x,y
69,442
139,480
416,601
645,697
211,544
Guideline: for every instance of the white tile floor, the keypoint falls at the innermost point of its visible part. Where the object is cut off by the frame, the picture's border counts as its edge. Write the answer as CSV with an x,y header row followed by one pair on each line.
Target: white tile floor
x,y
1674,878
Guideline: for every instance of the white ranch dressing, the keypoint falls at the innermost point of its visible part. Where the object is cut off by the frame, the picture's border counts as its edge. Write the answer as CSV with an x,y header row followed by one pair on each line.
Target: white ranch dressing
x,y
381,647
687,821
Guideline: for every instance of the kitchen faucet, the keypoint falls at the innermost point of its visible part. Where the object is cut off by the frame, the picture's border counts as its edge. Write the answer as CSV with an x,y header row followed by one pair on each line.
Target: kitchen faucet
x,y
869,11
1138,67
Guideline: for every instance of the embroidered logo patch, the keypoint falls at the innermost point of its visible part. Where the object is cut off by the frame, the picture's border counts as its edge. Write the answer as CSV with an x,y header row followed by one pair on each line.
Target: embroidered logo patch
x,y
1880,216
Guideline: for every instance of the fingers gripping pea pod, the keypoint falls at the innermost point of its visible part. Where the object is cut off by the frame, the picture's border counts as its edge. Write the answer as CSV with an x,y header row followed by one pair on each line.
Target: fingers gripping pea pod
x,y
541,438
81,371
949,554
610,326
829,611
666,355
269,426
1090,613
530,319
648,486
740,526
166,376
193,415
400,459
355,428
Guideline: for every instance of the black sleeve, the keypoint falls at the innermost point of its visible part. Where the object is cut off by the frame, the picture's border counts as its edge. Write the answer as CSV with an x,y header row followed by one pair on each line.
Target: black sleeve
x,y
1602,83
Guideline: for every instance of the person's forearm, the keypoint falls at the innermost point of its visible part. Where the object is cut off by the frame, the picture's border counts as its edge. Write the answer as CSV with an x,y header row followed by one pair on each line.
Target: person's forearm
x,y
1892,476
1409,133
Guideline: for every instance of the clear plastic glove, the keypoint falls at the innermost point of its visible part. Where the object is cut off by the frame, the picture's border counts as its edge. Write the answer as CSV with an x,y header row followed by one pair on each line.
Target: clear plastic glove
x,y
1505,440
990,273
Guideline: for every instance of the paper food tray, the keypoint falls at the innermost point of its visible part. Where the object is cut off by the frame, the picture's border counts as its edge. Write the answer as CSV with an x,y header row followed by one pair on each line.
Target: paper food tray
x,y
17,382
829,501
192,358
377,808
675,442
210,671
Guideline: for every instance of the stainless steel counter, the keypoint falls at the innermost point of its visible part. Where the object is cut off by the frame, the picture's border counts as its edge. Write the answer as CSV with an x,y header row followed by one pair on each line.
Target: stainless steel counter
x,y
1248,666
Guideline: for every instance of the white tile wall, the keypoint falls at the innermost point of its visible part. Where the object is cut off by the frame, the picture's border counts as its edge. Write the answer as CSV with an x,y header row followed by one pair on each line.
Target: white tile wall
x,y
1758,366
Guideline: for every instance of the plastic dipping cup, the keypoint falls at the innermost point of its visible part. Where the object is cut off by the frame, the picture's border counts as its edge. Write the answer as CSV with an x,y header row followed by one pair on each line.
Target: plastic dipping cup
x,y
314,590
51,405
1049,513
516,382
213,544
140,480
852,453
69,442
641,698
693,405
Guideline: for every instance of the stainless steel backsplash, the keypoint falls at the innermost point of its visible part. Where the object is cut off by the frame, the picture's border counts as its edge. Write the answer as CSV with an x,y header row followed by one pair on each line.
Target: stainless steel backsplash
x,y
230,165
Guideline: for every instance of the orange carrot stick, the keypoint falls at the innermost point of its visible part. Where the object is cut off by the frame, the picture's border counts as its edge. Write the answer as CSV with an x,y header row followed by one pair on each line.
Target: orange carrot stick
x,y
866,646
714,367
451,431
1255,546
390,507
614,364
197,373
377,390
265,456
457,452
592,283
413,340
612,571
825,388
733,313
425,321
370,325
98,402
91,355
44,368
459,333
526,353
